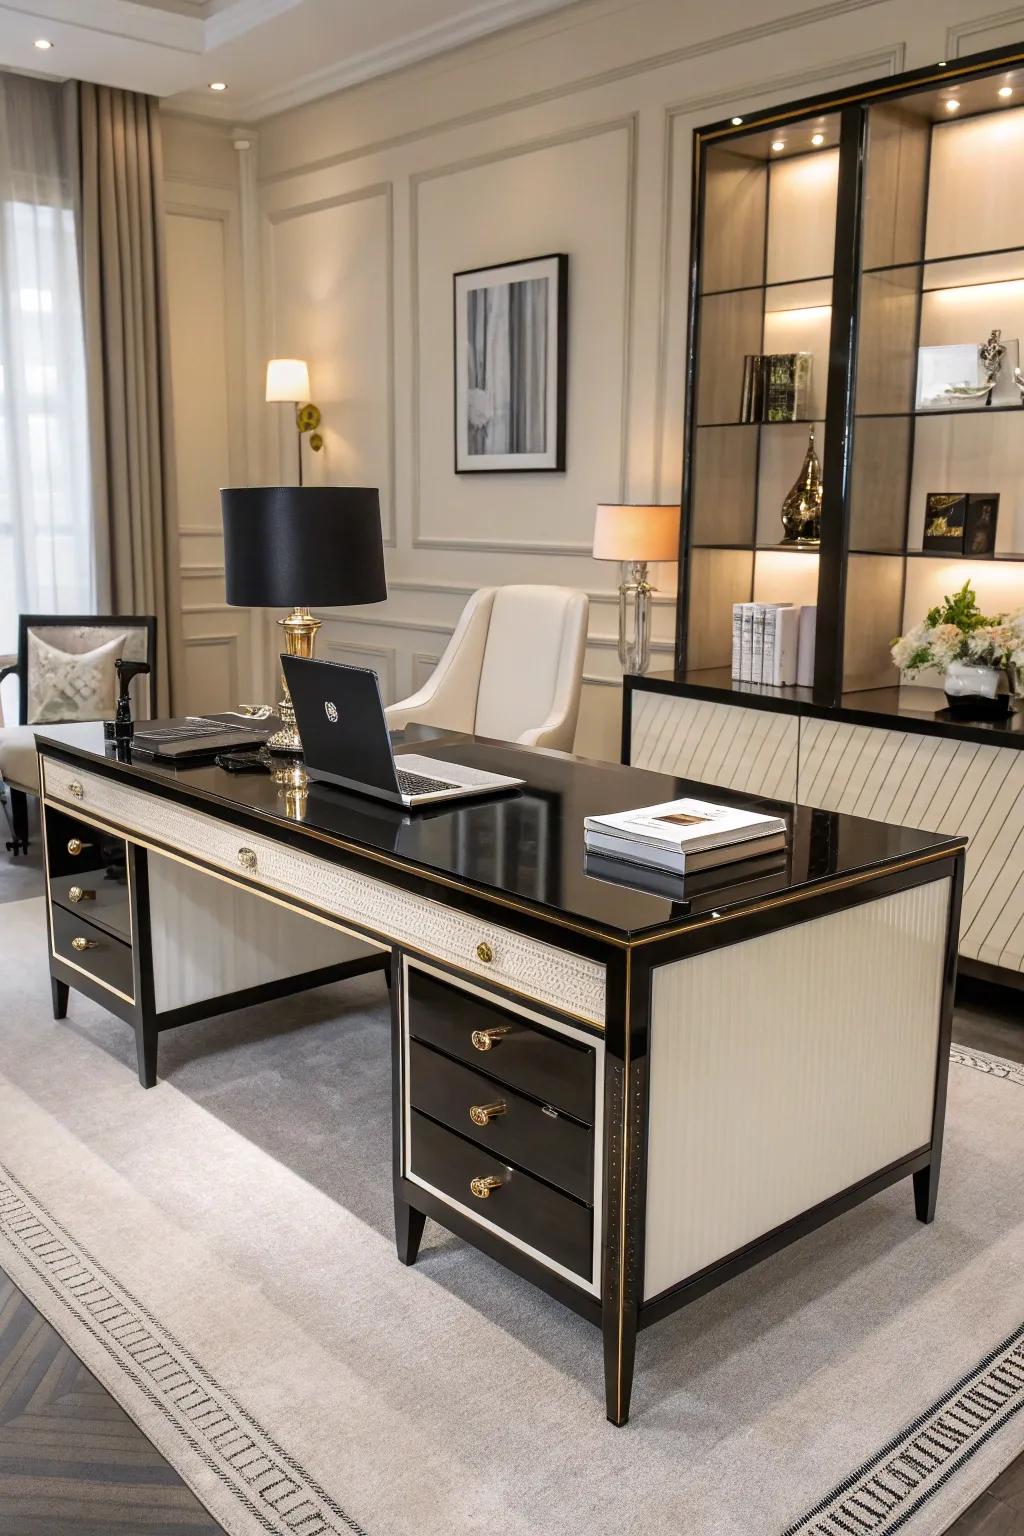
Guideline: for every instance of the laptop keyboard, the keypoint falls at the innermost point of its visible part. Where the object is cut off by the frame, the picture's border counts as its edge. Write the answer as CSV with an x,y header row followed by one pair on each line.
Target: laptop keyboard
x,y
417,784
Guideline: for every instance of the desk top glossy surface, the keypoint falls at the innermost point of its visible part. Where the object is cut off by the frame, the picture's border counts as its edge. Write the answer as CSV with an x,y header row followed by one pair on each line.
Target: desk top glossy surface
x,y
527,845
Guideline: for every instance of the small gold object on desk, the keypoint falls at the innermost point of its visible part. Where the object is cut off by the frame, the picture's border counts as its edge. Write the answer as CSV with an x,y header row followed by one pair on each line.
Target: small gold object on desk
x,y
247,858
81,944
483,1114
486,1039
76,846
801,510
482,1187
76,894
485,953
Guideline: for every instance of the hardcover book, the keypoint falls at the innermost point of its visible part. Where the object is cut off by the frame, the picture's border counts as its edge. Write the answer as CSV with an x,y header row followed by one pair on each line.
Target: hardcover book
x,y
676,831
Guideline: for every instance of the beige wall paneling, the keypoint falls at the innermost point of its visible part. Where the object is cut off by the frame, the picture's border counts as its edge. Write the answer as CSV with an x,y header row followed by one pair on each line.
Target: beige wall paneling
x,y
204,250
985,30
507,135
736,1050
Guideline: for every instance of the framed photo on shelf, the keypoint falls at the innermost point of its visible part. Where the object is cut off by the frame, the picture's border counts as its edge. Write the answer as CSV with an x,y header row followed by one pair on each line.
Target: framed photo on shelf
x,y
511,329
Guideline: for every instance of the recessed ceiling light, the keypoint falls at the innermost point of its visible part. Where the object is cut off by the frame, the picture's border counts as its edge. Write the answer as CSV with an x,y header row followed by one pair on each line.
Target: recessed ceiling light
x,y
1006,90
218,85
43,44
817,138
778,144
736,121
952,105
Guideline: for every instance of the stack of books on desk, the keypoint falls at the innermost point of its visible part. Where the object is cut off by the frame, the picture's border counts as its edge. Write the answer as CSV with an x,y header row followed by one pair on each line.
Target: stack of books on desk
x,y
684,835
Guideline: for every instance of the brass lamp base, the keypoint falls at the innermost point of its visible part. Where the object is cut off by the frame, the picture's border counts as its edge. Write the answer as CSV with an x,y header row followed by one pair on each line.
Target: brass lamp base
x,y
300,629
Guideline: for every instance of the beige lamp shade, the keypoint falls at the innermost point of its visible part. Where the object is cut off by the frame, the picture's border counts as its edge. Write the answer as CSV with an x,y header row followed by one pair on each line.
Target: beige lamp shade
x,y
287,379
636,533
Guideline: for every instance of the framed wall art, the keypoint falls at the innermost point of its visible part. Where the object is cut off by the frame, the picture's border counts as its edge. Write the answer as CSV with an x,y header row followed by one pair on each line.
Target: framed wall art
x,y
511,324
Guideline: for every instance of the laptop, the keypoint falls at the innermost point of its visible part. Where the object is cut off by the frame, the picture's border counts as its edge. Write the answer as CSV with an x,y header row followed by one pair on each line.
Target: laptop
x,y
340,718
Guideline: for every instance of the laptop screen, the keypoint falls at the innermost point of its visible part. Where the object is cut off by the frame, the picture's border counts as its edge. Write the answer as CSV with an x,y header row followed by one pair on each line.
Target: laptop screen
x,y
340,717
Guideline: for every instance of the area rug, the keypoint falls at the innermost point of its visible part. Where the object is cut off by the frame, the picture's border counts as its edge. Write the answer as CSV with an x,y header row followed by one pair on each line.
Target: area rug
x,y
219,1252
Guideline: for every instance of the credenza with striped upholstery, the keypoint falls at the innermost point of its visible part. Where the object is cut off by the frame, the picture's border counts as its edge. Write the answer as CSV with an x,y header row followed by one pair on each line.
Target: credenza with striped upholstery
x,y
945,780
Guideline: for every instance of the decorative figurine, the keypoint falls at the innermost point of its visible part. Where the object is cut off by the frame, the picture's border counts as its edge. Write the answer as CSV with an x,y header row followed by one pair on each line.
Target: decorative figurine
x,y
990,355
1018,379
801,510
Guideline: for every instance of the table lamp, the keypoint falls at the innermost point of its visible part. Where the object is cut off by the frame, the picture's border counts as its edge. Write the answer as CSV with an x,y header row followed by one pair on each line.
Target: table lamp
x,y
634,535
289,546
288,383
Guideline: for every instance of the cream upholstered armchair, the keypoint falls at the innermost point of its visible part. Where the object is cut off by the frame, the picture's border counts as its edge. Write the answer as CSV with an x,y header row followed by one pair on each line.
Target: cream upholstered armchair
x,y
512,670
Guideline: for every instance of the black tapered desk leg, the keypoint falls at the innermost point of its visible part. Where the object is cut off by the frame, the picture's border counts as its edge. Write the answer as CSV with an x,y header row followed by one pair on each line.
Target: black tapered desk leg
x,y
926,1191
59,992
146,1037
19,822
409,1224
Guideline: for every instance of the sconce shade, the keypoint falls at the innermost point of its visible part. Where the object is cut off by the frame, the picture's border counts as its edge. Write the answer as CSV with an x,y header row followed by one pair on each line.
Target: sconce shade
x,y
312,546
636,533
287,379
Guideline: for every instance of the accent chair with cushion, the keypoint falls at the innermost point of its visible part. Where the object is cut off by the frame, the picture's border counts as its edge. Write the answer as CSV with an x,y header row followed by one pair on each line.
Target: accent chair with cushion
x,y
512,670
65,672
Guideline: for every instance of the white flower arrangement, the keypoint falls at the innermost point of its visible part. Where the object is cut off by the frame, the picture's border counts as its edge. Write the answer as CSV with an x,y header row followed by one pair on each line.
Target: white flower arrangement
x,y
957,630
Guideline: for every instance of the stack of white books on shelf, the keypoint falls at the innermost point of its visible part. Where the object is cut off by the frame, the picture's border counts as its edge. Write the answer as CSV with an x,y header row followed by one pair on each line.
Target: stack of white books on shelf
x,y
683,835
773,644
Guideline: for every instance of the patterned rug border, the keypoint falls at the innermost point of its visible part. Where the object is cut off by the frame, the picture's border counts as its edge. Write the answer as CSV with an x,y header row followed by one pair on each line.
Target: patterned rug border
x,y
238,1457
982,1061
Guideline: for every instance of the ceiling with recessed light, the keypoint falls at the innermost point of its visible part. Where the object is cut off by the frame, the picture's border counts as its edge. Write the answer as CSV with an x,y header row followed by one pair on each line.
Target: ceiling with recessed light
x,y
266,55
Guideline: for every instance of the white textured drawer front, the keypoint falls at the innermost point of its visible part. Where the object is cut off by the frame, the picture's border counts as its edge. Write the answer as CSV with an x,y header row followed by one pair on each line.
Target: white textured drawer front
x,y
537,970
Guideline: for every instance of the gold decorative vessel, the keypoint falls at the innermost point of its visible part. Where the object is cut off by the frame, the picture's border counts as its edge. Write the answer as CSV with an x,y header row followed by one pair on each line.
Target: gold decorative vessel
x,y
801,510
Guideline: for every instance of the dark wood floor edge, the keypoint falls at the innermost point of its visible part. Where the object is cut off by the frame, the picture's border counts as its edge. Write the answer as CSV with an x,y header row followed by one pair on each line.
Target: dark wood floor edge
x,y
114,1396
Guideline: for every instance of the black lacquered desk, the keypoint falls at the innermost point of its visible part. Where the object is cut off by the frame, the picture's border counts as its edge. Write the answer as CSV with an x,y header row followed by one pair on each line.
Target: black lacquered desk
x,y
626,1095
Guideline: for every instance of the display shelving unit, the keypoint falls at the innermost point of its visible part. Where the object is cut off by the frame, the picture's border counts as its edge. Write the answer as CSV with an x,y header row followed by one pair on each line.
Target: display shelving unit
x,y
858,231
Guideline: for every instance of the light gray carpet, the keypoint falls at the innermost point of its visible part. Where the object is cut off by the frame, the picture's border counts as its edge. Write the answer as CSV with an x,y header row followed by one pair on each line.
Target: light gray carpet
x,y
219,1252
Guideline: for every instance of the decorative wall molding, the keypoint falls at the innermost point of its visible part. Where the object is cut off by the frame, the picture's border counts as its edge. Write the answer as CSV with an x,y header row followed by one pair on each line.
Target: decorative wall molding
x,y
225,641
627,124
194,572
466,589
753,94
385,653
961,33
384,189
724,41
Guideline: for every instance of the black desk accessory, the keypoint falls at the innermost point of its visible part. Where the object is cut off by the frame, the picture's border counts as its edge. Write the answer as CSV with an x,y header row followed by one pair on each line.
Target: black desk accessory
x,y
243,762
122,727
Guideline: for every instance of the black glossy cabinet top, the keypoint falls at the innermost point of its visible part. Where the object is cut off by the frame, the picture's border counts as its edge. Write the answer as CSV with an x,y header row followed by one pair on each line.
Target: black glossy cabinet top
x,y
524,845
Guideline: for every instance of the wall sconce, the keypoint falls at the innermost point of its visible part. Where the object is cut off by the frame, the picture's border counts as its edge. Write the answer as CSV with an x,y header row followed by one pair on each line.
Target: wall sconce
x,y
288,382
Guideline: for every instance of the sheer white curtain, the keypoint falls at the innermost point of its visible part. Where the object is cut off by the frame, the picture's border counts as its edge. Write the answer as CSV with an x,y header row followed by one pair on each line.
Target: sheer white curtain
x,y
46,540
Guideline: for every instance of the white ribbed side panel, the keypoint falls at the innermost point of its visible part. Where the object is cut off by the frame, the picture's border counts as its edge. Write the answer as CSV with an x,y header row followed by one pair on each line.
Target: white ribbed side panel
x,y
939,785
784,1070
210,938
724,744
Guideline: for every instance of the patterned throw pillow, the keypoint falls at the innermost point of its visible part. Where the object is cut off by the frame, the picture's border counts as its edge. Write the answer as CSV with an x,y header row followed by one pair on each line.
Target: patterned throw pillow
x,y
64,687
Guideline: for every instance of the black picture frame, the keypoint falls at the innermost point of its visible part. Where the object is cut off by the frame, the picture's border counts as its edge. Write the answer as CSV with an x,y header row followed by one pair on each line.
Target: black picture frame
x,y
554,269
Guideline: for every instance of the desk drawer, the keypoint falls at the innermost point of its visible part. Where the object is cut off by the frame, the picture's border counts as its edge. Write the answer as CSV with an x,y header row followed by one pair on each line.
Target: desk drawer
x,y
544,1065
551,1223
99,900
82,944
74,848
537,1138
527,966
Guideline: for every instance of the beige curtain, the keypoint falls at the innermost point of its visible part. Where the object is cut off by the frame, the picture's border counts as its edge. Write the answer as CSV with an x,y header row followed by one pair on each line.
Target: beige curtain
x,y
117,164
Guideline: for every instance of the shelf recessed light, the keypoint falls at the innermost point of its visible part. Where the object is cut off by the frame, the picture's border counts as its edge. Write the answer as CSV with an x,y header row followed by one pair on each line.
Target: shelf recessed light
x,y
218,85
1006,90
942,63
952,105
778,144
43,44
736,121
817,138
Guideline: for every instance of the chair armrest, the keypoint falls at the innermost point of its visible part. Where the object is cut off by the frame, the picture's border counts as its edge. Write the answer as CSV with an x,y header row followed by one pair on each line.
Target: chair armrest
x,y
547,734
416,707
8,667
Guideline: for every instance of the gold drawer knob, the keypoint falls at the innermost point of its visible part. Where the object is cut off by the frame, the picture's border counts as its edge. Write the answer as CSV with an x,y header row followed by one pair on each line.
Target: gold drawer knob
x,y
484,952
76,846
483,1114
75,790
81,944
247,858
482,1187
76,894
486,1039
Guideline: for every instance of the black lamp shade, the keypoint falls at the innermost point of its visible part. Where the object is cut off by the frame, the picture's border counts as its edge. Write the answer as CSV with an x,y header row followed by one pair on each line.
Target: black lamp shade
x,y
315,546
